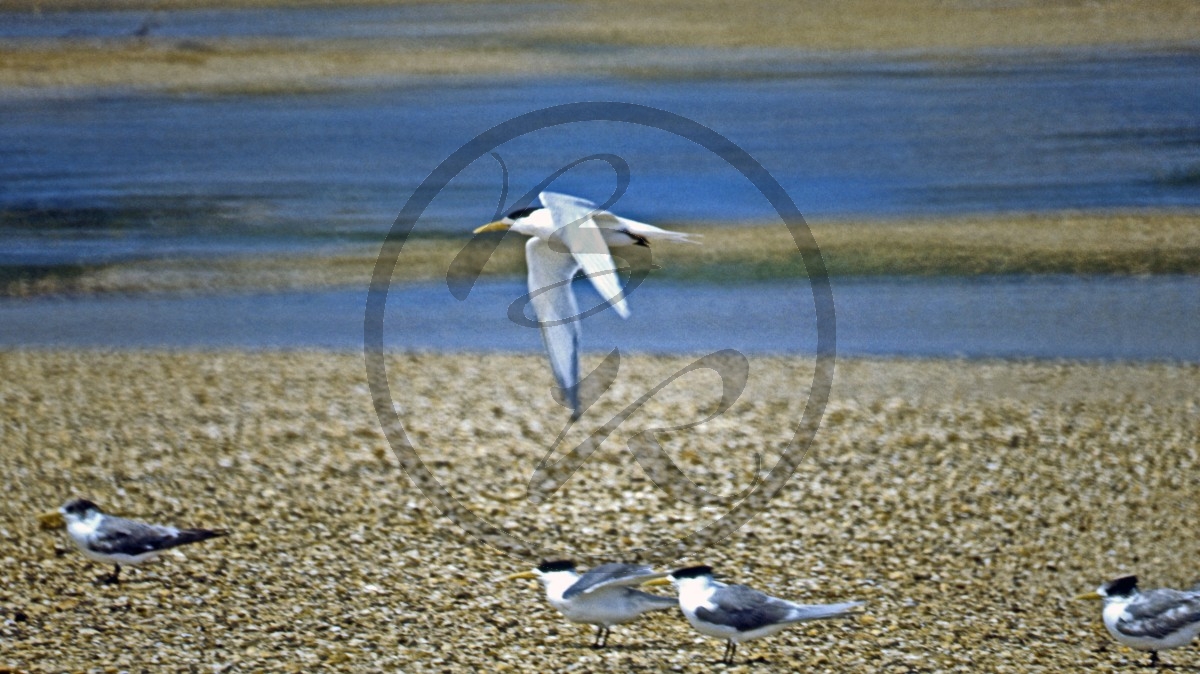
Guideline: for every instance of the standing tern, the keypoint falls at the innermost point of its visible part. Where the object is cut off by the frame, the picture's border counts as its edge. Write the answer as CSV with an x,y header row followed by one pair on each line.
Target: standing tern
x,y
604,596
1154,620
738,613
568,234
115,540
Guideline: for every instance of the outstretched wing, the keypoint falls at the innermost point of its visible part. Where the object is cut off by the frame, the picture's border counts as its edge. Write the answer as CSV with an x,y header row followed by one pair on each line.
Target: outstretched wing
x,y
640,230
574,226
549,280
612,575
607,220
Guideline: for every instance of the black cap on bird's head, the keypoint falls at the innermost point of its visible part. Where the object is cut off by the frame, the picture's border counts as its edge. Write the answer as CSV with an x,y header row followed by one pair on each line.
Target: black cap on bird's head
x,y
1120,587
556,565
692,572
79,507
510,221
521,213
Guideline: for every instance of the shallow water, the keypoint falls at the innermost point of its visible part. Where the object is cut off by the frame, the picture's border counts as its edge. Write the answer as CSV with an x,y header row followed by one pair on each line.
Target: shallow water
x,y
409,22
128,175
1109,318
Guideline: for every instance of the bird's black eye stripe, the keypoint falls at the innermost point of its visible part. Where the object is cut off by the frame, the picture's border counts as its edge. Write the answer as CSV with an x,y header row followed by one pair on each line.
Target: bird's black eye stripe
x,y
522,212
557,565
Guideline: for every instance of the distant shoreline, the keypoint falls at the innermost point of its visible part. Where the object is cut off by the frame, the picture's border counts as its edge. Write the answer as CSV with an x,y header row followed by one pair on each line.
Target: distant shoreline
x,y
852,25
623,39
1139,243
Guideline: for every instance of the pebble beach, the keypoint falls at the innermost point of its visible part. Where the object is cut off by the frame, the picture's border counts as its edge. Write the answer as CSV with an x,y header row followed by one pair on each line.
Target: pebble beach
x,y
965,501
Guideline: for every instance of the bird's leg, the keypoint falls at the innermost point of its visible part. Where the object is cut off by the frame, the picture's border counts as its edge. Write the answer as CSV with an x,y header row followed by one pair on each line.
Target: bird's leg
x,y
1153,658
599,633
730,649
605,642
114,578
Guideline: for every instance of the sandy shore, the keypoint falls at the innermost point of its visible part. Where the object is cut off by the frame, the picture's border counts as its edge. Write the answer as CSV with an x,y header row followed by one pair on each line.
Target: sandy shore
x,y
807,24
966,501
594,37
1051,243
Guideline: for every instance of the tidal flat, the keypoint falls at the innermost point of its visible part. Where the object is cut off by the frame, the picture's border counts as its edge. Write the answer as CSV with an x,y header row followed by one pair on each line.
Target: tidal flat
x,y
595,37
965,501
1129,243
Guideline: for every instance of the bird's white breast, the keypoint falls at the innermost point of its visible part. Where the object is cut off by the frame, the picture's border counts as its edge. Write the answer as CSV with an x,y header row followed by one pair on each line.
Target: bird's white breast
x,y
81,530
557,583
1112,614
694,594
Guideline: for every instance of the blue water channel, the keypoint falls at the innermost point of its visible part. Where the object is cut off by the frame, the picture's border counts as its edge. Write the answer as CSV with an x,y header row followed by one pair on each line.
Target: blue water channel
x,y
144,175
1094,318
94,176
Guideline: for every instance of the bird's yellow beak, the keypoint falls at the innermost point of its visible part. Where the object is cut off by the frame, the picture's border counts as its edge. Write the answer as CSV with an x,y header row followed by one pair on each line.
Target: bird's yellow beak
x,y
496,226
519,576
51,519
1089,595
658,581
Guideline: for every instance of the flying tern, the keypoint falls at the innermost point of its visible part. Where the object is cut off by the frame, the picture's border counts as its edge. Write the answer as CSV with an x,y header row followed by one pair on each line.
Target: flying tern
x,y
568,234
